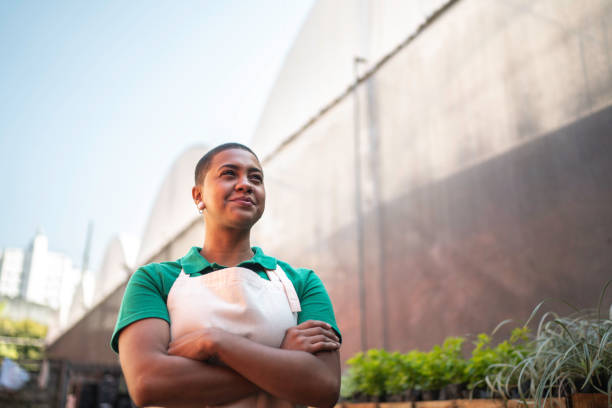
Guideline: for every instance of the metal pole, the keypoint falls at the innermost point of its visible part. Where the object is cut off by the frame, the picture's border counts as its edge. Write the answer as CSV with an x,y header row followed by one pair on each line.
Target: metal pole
x,y
358,209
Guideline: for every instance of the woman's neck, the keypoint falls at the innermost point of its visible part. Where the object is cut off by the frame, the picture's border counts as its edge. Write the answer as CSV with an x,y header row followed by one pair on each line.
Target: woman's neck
x,y
227,247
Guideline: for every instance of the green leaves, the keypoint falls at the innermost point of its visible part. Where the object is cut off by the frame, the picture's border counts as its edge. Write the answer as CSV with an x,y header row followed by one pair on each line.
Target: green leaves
x,y
369,371
26,328
379,373
567,355
571,354
487,361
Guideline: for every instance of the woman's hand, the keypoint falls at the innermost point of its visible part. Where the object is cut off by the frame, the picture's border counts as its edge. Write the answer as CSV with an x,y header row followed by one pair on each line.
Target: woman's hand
x,y
198,345
311,336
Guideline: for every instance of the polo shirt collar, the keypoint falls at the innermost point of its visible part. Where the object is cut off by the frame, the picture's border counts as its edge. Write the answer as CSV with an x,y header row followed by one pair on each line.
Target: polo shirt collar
x,y
194,262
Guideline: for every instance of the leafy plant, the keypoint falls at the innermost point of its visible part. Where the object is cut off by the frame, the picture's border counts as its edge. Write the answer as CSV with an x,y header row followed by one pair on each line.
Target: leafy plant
x,y
369,371
401,372
487,362
572,354
569,354
25,329
453,361
443,365
483,356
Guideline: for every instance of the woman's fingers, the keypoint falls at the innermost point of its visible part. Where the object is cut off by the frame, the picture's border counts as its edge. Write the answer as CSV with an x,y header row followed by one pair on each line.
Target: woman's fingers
x,y
317,331
322,339
311,327
311,336
313,323
324,346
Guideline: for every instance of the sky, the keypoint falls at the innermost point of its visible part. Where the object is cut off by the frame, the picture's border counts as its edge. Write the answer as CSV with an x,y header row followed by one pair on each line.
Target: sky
x,y
97,99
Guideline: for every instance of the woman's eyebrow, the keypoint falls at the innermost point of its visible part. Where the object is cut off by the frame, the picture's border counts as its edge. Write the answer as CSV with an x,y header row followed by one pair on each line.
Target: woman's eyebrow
x,y
231,166
236,167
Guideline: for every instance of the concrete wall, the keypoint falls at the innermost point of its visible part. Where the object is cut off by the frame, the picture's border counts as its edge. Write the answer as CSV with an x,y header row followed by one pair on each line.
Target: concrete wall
x,y
486,175
319,65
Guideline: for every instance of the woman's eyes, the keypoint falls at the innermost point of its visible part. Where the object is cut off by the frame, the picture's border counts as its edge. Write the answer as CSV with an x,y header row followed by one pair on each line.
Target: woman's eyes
x,y
255,177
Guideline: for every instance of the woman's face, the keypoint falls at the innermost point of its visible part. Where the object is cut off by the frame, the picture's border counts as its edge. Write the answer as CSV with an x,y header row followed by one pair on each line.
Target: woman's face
x,y
233,190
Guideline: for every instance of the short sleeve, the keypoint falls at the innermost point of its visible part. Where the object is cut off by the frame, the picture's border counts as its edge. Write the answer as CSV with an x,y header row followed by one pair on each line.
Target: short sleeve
x,y
316,304
143,298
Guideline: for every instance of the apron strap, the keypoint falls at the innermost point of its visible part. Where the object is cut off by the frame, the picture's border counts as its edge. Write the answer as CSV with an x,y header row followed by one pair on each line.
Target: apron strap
x,y
278,275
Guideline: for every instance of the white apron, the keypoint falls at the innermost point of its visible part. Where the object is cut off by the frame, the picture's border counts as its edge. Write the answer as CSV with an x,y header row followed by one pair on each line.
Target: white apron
x,y
239,301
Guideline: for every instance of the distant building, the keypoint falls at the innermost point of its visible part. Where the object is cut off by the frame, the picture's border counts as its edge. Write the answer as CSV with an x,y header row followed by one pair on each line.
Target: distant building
x,y
45,278
11,267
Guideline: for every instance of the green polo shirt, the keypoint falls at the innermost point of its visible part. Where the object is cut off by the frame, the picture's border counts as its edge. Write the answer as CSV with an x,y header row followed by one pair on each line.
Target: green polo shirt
x,y
147,290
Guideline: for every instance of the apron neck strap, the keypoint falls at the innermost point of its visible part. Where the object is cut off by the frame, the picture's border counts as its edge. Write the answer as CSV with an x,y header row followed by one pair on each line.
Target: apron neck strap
x,y
278,275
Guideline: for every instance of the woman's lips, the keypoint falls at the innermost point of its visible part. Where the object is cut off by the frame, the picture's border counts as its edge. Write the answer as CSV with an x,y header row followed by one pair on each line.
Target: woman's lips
x,y
244,202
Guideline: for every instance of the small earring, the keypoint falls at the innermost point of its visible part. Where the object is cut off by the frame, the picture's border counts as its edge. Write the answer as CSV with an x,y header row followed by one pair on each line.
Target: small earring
x,y
200,207
200,211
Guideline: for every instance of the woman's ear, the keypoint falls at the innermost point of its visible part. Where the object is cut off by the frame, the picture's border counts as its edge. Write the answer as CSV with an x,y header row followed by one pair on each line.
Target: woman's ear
x,y
196,193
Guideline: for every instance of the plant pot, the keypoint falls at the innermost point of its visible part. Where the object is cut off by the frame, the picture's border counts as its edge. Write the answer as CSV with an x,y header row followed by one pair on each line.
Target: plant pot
x,y
378,398
430,395
590,387
482,393
451,391
395,397
413,395
515,394
360,397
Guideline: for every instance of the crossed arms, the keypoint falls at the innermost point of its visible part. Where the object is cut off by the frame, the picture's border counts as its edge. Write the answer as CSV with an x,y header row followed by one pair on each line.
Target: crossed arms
x,y
304,370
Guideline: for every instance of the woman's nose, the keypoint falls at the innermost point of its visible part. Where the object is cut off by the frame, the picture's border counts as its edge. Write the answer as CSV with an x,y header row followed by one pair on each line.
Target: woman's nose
x,y
244,185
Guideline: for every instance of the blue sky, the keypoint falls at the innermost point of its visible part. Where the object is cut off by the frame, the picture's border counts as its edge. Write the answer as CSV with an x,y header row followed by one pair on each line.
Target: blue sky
x,y
98,98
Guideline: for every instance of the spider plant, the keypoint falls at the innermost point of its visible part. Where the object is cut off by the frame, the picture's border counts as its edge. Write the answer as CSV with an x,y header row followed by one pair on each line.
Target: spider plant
x,y
571,354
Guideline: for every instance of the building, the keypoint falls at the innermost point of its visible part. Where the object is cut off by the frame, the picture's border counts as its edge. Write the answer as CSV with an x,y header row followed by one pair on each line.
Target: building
x,y
11,267
44,278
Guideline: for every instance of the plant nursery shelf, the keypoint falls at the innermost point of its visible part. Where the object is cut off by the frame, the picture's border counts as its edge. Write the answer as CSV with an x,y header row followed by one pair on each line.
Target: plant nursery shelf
x,y
576,401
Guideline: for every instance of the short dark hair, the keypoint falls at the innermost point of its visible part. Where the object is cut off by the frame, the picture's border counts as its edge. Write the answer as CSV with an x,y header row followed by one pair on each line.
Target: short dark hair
x,y
204,163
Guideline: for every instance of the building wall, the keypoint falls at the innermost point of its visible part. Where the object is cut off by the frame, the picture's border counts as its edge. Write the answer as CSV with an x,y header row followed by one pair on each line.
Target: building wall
x,y
11,268
319,65
486,176
38,275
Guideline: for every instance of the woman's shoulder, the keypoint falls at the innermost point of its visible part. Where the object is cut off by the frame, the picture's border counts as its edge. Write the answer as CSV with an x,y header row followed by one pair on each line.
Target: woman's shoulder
x,y
302,272
157,273
171,267
301,278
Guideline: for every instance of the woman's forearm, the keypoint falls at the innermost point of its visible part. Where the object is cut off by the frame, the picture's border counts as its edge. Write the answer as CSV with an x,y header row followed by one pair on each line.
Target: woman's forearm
x,y
173,381
296,376
155,378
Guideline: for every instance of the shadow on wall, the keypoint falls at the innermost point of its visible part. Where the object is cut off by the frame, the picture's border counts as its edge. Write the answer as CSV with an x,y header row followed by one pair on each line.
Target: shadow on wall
x,y
487,243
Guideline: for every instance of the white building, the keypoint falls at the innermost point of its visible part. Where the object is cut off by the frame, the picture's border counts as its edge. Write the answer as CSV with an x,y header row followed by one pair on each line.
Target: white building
x,y
38,275
11,267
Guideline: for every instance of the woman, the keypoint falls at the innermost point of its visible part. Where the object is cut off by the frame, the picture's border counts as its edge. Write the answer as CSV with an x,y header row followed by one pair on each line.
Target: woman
x,y
257,333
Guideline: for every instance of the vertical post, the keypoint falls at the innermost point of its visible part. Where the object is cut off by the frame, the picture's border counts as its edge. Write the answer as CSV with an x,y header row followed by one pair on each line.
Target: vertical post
x,y
63,383
358,209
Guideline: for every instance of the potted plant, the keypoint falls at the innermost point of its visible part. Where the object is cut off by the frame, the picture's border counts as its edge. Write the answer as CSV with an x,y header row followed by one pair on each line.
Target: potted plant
x,y
367,376
454,364
571,355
